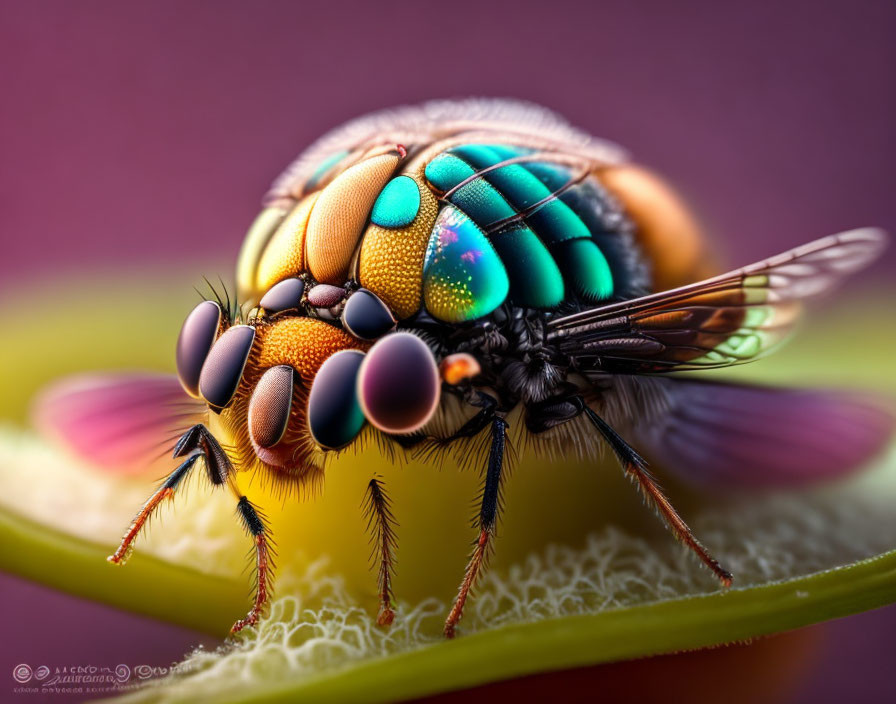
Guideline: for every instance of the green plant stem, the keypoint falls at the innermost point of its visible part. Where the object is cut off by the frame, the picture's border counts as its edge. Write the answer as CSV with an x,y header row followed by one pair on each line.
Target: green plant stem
x,y
188,598
575,641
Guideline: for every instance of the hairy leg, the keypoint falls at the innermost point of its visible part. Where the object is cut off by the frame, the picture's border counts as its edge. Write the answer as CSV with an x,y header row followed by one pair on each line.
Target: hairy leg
x,y
486,522
165,491
198,443
383,545
636,468
254,522
195,443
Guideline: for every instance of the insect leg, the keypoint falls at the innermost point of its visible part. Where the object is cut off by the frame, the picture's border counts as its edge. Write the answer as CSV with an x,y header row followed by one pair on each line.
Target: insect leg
x,y
217,463
220,471
635,466
165,491
383,544
254,522
553,412
486,521
487,405
199,442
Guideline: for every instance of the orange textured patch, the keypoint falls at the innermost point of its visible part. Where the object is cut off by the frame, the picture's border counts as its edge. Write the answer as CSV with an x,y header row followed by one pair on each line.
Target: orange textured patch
x,y
391,263
302,343
340,213
284,255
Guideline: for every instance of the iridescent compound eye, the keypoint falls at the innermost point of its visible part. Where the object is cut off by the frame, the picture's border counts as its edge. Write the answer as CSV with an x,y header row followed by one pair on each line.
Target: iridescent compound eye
x,y
270,405
223,368
195,340
398,384
366,317
334,414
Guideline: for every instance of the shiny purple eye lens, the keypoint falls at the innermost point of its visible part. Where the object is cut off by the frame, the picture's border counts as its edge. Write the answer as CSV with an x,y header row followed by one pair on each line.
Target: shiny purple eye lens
x,y
334,414
283,296
195,340
325,295
398,384
366,317
223,368
270,405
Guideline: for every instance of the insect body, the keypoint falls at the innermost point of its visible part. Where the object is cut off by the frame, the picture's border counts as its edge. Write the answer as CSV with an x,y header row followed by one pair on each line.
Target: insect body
x,y
420,274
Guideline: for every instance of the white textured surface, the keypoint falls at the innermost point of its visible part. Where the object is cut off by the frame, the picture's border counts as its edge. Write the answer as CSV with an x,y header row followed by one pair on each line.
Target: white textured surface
x,y
316,625
775,538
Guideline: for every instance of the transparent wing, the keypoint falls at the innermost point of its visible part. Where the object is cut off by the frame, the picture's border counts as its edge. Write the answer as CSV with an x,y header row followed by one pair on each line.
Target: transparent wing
x,y
729,319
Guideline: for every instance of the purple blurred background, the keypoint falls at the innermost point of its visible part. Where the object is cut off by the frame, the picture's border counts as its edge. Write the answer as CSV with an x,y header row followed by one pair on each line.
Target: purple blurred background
x,y
144,134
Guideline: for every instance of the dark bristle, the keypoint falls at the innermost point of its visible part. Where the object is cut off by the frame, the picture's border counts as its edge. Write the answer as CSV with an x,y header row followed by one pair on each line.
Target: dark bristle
x,y
250,516
381,525
230,309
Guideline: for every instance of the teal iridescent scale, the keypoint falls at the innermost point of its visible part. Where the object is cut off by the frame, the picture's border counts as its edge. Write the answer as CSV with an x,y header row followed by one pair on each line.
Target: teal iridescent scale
x,y
463,277
397,204
525,211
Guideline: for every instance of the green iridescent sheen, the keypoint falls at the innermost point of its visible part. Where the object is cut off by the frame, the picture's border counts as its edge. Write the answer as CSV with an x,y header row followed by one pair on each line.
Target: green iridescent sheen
x,y
517,184
482,202
397,204
744,346
478,198
446,171
463,278
756,316
535,279
551,175
541,265
554,222
508,151
479,156
515,179
585,268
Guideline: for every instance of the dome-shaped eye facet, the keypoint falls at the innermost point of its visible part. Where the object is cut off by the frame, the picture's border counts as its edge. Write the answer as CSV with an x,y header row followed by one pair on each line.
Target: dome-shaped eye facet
x,y
285,295
334,414
365,316
270,405
223,368
325,295
195,340
398,384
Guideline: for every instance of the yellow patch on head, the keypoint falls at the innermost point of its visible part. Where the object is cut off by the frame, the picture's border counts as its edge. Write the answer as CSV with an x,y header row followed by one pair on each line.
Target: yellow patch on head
x,y
260,232
284,255
391,262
